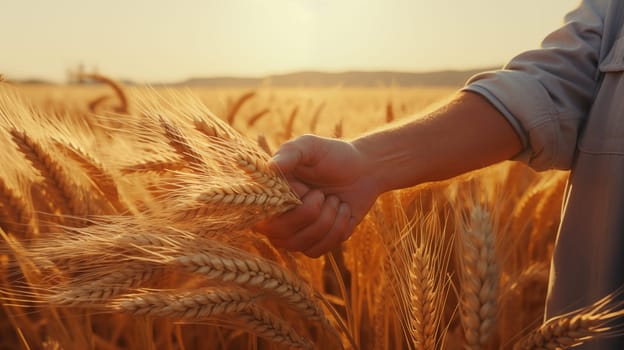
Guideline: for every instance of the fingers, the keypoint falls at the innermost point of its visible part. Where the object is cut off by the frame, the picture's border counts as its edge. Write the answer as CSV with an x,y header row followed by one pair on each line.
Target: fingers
x,y
284,226
300,188
315,227
334,225
339,231
311,234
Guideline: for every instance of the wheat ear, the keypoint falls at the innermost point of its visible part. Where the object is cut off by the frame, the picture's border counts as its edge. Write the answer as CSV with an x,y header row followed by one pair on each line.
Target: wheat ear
x,y
213,130
119,91
273,328
95,103
535,273
100,178
62,189
389,112
423,301
98,292
254,118
599,320
263,143
155,166
338,129
14,217
316,116
479,279
197,304
257,170
290,124
258,273
237,106
180,143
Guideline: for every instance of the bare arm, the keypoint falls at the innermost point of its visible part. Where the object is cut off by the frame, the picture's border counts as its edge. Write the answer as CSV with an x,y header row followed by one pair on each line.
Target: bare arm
x,y
339,181
466,134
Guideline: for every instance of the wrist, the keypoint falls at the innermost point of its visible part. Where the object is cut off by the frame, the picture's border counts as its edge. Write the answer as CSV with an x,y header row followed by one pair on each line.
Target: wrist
x,y
375,163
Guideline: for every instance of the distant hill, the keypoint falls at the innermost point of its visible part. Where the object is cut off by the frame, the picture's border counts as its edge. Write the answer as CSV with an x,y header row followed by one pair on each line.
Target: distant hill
x,y
350,79
452,78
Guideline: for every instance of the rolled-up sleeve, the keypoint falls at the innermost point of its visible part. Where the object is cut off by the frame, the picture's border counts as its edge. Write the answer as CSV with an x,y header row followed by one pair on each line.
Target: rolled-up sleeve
x,y
545,94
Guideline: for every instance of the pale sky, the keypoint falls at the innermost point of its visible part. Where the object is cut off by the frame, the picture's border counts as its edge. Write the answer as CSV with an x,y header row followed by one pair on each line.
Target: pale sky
x,y
158,40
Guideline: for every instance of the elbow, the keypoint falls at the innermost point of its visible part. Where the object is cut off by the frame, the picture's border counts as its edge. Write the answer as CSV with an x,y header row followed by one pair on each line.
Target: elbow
x,y
552,144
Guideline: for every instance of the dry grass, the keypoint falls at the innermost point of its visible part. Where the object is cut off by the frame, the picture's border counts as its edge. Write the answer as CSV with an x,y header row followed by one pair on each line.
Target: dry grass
x,y
135,231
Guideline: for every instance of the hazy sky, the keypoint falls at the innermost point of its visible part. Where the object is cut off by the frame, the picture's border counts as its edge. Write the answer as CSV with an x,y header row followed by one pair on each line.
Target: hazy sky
x,y
172,40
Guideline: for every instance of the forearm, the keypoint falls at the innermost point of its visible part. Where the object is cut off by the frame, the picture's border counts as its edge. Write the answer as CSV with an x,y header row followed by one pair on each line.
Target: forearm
x,y
466,134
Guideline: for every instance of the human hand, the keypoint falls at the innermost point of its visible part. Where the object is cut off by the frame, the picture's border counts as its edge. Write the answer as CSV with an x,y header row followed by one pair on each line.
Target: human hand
x,y
332,178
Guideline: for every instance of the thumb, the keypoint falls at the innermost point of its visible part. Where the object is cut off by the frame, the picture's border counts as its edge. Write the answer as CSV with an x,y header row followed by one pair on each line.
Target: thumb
x,y
286,160
292,154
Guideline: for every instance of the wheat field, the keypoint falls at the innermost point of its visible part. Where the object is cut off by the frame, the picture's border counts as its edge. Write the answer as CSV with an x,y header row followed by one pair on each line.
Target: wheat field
x,y
127,216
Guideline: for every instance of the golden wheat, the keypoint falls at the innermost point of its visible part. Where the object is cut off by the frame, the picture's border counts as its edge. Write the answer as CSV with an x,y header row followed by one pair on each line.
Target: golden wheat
x,y
479,283
177,191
